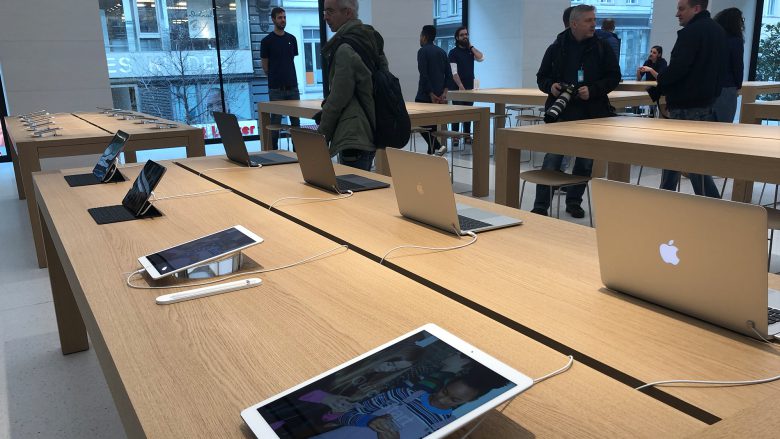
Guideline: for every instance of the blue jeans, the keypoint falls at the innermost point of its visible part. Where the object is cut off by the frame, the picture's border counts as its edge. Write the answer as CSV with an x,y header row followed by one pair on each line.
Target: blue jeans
x,y
725,107
702,184
357,158
552,162
276,94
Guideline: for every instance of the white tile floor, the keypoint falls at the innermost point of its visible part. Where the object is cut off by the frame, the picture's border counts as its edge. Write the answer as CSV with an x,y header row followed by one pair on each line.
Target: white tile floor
x,y
44,394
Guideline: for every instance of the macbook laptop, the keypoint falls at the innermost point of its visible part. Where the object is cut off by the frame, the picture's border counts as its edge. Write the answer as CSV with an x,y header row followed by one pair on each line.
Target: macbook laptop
x,y
701,256
317,168
424,194
235,148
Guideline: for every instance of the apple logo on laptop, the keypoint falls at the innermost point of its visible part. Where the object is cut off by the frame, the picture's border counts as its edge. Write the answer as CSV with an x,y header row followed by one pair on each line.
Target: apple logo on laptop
x,y
669,253
420,189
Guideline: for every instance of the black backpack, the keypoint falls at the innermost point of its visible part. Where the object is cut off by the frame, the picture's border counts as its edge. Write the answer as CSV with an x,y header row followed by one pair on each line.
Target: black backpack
x,y
393,127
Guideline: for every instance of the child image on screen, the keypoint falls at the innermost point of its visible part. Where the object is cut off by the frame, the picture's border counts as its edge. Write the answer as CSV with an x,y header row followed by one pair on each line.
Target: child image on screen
x,y
411,412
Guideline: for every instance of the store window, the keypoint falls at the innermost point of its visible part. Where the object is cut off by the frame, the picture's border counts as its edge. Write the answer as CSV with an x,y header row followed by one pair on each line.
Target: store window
x,y
312,58
768,58
447,17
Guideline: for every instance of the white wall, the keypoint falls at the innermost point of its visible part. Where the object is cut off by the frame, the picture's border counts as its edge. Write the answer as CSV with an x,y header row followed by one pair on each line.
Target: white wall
x,y
400,22
53,56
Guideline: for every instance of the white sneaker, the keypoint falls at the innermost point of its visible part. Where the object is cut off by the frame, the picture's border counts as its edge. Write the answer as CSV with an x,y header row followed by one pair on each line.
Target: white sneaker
x,y
441,150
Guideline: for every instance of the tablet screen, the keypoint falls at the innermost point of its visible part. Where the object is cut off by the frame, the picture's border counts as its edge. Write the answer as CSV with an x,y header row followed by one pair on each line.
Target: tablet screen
x,y
199,250
109,155
138,195
408,390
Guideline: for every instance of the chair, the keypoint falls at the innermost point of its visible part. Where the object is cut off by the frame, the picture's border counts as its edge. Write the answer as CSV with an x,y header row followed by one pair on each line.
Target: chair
x,y
280,128
530,120
420,131
553,179
773,223
445,135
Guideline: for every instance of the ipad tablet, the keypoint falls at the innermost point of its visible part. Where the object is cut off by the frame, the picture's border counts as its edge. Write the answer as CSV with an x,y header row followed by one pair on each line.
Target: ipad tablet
x,y
198,251
137,198
106,166
424,384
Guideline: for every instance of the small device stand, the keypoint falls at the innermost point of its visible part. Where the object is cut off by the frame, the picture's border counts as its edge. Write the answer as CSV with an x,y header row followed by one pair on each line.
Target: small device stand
x,y
221,267
114,176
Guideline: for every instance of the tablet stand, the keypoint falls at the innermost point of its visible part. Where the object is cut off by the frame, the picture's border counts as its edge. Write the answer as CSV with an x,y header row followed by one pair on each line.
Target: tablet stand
x,y
221,267
483,417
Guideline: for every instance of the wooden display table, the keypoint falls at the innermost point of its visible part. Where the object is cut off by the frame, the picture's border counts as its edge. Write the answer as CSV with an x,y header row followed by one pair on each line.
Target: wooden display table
x,y
421,114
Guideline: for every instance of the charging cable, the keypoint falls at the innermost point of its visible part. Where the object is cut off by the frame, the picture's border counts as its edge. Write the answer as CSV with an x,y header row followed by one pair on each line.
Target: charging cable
x,y
194,194
708,383
537,380
344,195
213,281
438,249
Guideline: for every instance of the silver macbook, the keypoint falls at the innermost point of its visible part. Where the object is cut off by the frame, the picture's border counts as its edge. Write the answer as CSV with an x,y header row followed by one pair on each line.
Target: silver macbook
x,y
701,256
235,148
317,168
424,194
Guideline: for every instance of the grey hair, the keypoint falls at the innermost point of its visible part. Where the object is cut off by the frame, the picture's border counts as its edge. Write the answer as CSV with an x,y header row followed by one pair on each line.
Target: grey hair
x,y
579,10
350,4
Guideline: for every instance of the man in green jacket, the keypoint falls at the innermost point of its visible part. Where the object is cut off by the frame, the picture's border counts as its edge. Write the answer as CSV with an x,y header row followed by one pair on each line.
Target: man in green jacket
x,y
348,114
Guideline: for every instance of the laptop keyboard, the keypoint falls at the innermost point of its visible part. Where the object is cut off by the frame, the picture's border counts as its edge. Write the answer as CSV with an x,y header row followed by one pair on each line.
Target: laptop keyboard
x,y
774,315
467,223
346,185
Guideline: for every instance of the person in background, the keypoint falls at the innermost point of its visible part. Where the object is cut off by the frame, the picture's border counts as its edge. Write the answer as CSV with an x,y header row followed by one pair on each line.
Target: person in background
x,y
607,33
348,113
732,21
277,53
576,57
435,75
691,83
462,58
654,65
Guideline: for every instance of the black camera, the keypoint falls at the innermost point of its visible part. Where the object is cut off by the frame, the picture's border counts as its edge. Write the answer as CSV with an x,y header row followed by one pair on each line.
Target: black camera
x,y
555,110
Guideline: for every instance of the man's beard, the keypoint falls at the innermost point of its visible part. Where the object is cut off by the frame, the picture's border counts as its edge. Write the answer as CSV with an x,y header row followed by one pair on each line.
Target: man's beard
x,y
463,43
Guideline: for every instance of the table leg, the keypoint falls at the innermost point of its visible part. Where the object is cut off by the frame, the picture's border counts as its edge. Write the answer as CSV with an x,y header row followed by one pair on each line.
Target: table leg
x,y
480,174
30,162
748,97
196,145
73,333
380,162
500,109
130,157
265,121
17,173
507,172
743,191
619,172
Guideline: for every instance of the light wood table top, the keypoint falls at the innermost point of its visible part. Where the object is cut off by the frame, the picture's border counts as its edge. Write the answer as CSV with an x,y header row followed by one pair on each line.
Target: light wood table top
x,y
541,278
757,111
82,134
533,96
188,369
636,85
420,114
746,152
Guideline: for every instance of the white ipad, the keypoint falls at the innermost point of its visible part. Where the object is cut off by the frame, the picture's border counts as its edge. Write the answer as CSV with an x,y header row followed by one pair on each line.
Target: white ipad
x,y
198,251
425,384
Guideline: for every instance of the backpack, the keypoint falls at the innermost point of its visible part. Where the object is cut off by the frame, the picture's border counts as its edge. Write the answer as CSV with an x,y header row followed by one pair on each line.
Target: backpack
x,y
393,126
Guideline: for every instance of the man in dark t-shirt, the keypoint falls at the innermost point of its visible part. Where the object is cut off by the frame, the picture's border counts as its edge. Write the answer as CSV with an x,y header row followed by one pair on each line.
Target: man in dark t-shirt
x,y
462,58
277,52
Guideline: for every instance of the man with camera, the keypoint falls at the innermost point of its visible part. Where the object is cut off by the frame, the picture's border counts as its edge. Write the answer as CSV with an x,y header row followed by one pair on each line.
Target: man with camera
x,y
577,72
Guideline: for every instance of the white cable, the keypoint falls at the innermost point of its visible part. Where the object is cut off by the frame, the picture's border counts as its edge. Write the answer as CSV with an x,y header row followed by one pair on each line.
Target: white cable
x,y
557,372
706,383
472,234
194,194
220,279
341,197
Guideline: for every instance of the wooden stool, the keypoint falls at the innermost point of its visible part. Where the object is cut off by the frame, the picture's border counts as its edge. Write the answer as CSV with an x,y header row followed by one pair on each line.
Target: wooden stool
x,y
280,128
419,130
443,136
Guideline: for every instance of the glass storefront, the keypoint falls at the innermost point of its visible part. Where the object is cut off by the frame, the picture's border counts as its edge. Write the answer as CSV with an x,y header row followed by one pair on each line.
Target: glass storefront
x,y
162,56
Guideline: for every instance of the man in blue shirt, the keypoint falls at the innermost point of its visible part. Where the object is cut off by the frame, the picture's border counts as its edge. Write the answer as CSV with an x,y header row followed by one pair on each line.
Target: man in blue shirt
x,y
277,52
435,76
462,58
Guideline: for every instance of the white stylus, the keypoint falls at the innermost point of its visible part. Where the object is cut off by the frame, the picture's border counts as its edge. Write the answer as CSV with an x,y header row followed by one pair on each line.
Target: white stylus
x,y
210,290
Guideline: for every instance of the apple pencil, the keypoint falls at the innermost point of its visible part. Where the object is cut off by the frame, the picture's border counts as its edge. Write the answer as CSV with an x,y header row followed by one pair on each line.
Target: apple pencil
x,y
210,290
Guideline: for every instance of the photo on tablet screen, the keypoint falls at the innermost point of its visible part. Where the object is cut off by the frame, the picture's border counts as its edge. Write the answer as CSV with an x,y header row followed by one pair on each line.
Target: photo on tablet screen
x,y
410,389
